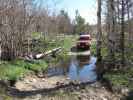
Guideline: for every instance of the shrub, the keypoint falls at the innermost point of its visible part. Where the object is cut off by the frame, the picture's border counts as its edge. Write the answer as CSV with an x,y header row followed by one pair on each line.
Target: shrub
x,y
18,68
11,72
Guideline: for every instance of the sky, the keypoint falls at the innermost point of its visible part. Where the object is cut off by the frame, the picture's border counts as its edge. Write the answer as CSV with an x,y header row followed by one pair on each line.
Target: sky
x,y
86,8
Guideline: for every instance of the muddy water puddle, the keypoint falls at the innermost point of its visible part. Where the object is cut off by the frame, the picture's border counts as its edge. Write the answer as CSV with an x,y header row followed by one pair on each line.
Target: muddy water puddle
x,y
74,72
60,76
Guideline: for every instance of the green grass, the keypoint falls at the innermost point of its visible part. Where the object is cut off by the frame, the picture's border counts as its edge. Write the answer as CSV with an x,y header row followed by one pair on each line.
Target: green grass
x,y
10,72
69,41
121,78
104,51
4,96
65,42
18,68
36,65
93,48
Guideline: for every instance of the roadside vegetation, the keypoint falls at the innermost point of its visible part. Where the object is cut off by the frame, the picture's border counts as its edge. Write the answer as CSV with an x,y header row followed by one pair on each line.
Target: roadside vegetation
x,y
17,69
119,77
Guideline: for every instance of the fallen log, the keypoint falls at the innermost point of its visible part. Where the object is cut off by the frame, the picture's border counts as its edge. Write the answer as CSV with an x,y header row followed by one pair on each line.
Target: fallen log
x,y
42,55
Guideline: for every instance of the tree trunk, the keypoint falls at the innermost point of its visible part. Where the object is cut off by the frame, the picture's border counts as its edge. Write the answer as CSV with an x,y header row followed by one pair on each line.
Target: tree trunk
x,y
99,32
129,22
111,31
100,67
122,34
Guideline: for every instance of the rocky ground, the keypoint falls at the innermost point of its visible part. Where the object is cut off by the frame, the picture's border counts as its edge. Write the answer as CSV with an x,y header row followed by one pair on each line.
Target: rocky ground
x,y
94,91
86,93
35,83
34,88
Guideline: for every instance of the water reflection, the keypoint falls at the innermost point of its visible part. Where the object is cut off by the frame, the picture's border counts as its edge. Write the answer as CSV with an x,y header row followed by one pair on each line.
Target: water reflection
x,y
81,68
83,71
55,71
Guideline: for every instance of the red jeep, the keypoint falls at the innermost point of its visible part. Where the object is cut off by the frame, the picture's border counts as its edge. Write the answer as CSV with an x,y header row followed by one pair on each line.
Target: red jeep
x,y
84,42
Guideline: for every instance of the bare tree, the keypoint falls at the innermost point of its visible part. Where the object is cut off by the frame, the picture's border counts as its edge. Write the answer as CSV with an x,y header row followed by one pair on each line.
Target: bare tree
x,y
16,20
129,6
111,30
19,19
100,67
122,37
99,31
